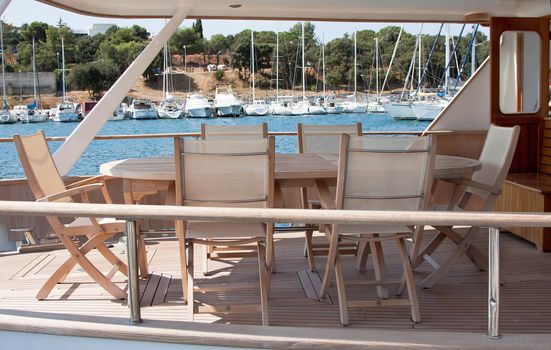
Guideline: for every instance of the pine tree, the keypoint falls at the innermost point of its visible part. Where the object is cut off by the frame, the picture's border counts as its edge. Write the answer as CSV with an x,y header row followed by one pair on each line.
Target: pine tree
x,y
198,28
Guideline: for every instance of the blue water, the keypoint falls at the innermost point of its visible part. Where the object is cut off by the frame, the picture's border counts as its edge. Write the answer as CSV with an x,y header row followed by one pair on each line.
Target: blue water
x,y
99,152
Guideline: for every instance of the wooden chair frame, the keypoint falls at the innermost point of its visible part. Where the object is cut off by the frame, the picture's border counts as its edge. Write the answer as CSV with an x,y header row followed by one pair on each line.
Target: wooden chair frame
x,y
463,191
264,244
374,241
96,232
230,131
311,249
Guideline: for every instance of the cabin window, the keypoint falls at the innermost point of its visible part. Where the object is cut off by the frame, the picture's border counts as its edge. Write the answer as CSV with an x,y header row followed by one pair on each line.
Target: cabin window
x,y
519,69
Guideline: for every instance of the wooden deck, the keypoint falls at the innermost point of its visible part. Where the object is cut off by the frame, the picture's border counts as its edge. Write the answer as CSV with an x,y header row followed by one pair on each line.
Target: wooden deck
x,y
457,304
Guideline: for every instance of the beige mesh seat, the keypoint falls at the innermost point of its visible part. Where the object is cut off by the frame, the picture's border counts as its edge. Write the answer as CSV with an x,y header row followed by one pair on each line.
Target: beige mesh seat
x,y
478,193
320,139
222,173
47,186
234,132
378,173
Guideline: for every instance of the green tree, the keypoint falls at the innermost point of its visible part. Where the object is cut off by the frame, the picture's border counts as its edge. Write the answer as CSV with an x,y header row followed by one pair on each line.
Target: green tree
x,y
198,28
95,77
36,30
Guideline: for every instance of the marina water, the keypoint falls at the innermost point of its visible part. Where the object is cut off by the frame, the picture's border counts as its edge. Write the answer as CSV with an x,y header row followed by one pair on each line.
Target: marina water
x,y
101,151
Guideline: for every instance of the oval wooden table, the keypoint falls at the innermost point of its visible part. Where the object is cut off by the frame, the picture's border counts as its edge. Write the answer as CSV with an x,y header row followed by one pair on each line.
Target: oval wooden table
x,y
290,169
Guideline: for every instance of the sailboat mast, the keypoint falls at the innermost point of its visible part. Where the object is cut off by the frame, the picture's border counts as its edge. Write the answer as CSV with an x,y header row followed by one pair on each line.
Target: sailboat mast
x,y
277,66
303,67
62,70
165,82
377,65
323,65
252,61
4,104
473,56
34,74
447,77
419,74
355,67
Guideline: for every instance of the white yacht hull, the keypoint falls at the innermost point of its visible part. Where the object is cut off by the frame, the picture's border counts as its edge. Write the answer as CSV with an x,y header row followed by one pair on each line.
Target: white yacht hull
x,y
200,112
354,108
143,114
256,110
426,112
228,111
7,117
374,107
317,110
164,114
300,108
400,111
334,109
36,117
66,117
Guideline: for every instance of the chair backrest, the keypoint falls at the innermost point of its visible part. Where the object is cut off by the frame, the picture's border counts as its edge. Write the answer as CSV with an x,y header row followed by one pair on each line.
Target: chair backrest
x,y
234,132
324,138
38,165
497,155
222,173
384,173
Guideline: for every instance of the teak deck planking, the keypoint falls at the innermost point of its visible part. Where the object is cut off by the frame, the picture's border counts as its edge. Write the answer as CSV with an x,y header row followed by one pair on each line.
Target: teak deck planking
x,y
458,303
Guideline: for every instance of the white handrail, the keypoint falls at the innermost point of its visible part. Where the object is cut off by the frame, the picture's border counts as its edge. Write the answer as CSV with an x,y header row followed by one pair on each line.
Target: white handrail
x,y
170,212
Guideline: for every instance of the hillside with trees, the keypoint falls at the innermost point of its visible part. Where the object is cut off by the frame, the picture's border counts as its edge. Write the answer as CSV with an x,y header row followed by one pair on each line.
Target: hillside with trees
x,y
94,63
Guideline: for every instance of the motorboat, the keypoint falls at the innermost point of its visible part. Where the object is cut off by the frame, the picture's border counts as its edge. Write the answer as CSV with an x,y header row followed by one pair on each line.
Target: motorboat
x,y
400,110
354,107
375,107
65,112
300,108
197,106
7,118
118,113
279,108
142,109
226,104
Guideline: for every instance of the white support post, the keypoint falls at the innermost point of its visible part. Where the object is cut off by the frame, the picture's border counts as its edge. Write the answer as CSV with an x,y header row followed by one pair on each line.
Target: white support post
x,y
71,150
3,5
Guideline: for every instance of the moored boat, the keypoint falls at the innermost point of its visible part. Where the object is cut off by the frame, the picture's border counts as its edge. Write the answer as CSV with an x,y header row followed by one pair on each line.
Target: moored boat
x,y
226,104
142,109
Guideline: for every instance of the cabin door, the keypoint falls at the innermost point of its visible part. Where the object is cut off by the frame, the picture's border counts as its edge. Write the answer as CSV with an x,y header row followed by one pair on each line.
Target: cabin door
x,y
520,87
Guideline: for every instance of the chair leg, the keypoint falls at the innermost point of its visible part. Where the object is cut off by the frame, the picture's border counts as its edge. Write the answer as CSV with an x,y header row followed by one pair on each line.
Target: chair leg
x,y
264,288
341,291
309,250
205,258
476,256
331,255
112,258
362,255
183,264
78,257
418,259
460,250
270,250
379,267
410,283
190,296
142,257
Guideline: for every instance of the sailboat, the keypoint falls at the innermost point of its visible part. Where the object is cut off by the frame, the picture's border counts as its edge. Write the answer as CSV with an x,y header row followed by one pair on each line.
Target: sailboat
x,y
65,111
30,113
304,107
5,116
354,106
170,107
328,102
257,107
278,107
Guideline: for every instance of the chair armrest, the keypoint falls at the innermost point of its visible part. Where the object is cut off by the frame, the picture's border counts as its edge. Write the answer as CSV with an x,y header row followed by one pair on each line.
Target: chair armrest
x,y
326,200
70,192
471,183
93,179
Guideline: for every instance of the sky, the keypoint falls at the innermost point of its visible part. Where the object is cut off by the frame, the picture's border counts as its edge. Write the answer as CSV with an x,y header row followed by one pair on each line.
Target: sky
x,y
26,11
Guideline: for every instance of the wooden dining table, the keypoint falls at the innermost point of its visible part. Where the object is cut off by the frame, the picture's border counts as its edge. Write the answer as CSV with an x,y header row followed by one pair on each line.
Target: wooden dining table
x,y
151,175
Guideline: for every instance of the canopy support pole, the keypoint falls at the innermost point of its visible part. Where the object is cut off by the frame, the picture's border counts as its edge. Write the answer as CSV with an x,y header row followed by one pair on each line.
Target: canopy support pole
x,y
3,5
71,150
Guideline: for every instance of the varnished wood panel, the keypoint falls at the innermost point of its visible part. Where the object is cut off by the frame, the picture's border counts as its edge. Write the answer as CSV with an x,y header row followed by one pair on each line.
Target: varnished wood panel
x,y
530,197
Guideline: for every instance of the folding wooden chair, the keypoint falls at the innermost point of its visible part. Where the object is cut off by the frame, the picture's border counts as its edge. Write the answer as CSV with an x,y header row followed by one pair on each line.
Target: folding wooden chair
x,y
478,193
234,132
320,139
225,174
47,186
378,173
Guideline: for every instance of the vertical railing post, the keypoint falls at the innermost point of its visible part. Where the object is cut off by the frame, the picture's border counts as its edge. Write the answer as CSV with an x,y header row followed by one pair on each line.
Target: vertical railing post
x,y
133,278
493,283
